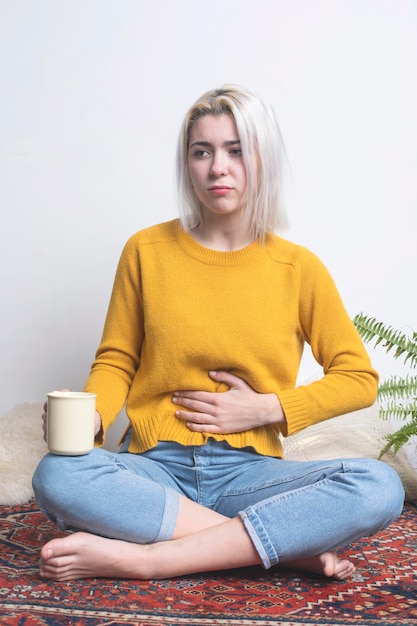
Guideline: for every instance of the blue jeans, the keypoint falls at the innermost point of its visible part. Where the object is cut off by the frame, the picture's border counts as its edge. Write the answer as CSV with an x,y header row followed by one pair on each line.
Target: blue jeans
x,y
291,510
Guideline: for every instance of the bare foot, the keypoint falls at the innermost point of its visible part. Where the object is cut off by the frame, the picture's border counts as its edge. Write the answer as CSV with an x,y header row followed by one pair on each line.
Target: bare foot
x,y
327,564
83,555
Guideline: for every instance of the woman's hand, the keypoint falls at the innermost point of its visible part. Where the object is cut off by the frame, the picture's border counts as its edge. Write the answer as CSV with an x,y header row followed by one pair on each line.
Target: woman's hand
x,y
45,421
236,410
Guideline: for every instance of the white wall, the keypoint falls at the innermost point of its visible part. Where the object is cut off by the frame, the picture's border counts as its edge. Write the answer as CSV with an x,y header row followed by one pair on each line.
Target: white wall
x,y
92,96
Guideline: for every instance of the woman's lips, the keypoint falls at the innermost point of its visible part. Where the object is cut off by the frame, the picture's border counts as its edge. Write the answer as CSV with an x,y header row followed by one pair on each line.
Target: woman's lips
x,y
220,189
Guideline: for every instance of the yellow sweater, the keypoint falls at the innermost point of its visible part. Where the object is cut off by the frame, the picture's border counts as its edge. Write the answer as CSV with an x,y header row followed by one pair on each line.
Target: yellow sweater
x,y
179,310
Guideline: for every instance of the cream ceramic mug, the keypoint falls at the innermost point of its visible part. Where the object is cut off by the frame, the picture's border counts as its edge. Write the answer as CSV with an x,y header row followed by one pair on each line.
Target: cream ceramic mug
x,y
70,422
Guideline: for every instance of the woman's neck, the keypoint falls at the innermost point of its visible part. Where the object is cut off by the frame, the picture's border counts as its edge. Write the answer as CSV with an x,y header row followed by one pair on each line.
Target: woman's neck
x,y
221,241
222,235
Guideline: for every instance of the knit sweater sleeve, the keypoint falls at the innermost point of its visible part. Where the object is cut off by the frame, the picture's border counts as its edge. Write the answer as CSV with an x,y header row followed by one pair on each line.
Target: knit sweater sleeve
x,y
349,381
118,356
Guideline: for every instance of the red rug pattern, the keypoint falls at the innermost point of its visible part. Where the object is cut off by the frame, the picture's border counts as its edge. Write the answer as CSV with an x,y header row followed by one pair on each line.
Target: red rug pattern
x,y
382,591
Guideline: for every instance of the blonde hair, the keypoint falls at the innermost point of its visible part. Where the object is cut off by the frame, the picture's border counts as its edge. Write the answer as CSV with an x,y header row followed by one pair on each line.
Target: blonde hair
x,y
259,134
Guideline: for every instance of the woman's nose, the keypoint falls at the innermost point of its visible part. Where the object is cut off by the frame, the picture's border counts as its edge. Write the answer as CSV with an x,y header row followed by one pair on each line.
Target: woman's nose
x,y
218,167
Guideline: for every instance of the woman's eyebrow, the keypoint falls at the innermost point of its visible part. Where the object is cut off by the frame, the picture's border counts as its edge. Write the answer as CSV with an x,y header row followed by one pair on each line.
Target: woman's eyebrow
x,y
230,142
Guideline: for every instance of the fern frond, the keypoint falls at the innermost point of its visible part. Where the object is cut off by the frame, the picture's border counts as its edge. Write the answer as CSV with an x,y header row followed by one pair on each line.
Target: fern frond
x,y
400,437
398,395
398,387
398,411
369,328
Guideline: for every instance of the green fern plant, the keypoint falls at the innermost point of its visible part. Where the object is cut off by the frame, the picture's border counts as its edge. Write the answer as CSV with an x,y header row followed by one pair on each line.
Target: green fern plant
x,y
398,395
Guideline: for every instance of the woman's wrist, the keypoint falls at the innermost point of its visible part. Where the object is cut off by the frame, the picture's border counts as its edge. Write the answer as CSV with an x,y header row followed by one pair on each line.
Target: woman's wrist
x,y
276,412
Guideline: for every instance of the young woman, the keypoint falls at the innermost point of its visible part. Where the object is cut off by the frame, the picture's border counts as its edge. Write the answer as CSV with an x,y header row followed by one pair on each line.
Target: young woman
x,y
202,343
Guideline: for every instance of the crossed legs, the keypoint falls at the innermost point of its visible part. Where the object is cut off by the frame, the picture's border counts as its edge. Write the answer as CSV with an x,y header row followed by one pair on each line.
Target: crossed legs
x,y
297,522
203,541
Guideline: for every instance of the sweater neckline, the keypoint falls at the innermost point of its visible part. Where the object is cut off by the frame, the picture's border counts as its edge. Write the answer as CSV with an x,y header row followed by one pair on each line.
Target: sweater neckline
x,y
217,257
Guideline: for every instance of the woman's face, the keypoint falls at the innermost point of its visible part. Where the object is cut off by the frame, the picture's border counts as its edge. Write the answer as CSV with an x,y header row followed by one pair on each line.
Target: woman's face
x,y
215,164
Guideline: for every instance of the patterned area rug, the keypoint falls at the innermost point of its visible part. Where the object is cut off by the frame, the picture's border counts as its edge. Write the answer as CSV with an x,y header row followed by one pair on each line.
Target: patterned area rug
x,y
383,590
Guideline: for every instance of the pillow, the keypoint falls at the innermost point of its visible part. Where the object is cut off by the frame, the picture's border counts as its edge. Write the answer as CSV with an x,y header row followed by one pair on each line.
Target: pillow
x,y
21,448
357,434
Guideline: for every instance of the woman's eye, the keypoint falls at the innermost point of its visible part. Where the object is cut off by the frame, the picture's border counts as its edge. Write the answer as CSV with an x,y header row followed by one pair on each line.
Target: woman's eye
x,y
200,153
236,152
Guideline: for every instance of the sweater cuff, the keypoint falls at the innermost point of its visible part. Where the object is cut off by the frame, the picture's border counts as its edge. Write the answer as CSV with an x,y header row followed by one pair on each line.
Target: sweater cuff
x,y
295,410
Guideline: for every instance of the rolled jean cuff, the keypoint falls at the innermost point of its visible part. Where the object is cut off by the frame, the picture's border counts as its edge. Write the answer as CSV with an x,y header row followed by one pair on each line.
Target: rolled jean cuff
x,y
259,537
169,518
